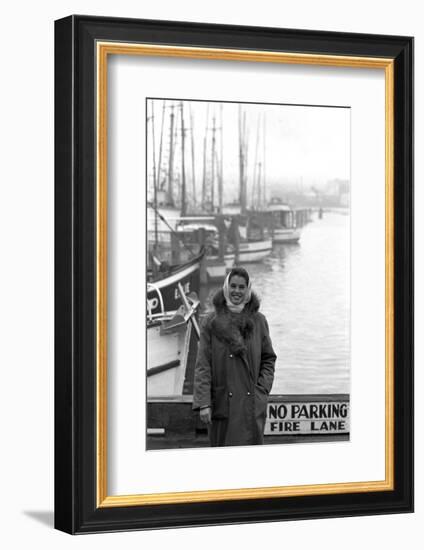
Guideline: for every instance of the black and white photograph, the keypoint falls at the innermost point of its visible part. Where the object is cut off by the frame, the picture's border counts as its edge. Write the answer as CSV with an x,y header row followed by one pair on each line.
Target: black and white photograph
x,y
211,285
248,273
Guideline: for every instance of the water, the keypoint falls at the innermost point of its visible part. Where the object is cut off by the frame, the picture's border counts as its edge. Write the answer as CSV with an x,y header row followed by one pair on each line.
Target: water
x,y
305,295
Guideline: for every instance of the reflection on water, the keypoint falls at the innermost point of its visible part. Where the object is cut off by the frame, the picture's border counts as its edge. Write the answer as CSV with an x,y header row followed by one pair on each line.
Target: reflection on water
x,y
305,295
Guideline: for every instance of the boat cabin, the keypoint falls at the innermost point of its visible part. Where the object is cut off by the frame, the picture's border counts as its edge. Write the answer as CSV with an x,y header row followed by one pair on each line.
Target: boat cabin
x,y
282,216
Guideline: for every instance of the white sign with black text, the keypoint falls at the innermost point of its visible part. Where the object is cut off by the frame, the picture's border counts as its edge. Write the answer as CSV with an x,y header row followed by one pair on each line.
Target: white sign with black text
x,y
291,418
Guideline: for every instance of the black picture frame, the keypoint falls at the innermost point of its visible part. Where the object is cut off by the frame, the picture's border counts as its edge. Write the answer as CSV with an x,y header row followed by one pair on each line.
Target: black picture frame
x,y
76,483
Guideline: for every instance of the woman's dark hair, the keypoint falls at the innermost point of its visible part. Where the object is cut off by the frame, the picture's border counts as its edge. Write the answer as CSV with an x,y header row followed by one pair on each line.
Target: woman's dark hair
x,y
241,272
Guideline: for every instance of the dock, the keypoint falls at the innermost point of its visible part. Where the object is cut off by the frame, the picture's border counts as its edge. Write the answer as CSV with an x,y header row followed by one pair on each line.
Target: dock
x,y
290,419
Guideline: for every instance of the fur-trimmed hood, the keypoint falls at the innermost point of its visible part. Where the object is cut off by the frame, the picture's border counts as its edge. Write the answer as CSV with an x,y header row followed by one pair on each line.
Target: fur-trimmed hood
x,y
220,305
233,328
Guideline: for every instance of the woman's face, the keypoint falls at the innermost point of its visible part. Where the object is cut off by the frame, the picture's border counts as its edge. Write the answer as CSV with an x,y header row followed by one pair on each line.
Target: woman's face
x,y
238,289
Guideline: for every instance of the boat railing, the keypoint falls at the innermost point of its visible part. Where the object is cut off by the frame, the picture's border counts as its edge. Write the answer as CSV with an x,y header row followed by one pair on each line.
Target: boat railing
x,y
161,316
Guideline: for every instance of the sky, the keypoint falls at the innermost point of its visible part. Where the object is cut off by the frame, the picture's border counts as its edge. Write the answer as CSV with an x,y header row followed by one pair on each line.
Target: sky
x,y
295,145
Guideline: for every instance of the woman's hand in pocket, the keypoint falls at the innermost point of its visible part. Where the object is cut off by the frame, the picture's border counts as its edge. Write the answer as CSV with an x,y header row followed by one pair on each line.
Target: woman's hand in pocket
x,y
206,415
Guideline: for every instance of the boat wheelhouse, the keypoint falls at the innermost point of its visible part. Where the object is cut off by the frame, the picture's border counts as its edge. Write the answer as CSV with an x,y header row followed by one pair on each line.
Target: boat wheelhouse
x,y
283,223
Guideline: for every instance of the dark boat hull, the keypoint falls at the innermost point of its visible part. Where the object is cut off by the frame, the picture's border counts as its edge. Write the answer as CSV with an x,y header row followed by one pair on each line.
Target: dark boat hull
x,y
189,277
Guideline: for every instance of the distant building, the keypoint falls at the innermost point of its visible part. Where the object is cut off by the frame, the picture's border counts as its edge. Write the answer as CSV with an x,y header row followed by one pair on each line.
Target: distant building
x,y
339,191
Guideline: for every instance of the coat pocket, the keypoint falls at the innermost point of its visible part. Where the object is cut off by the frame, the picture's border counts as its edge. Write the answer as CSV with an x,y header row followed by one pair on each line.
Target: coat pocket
x,y
261,400
220,403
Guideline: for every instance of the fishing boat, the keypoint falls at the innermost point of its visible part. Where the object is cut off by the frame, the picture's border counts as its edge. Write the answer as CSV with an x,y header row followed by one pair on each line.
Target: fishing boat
x,y
170,349
172,279
217,269
283,223
254,251
250,235
217,264
163,282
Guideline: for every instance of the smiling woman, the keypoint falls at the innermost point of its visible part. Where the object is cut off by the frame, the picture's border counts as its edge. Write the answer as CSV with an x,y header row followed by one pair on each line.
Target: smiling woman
x,y
235,366
238,290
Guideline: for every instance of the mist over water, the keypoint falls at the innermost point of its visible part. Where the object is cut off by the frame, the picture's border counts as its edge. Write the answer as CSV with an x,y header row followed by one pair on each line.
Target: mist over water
x,y
305,295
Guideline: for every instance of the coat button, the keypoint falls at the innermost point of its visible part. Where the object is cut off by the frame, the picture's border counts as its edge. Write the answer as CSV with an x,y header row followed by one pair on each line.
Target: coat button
x,y
230,394
231,354
248,393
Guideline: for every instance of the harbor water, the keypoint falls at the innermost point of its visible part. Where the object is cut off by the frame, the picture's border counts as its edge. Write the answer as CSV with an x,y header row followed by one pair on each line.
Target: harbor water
x,y
305,295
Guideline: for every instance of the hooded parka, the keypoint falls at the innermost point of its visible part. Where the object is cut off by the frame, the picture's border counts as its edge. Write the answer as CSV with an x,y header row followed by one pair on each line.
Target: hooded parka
x,y
234,373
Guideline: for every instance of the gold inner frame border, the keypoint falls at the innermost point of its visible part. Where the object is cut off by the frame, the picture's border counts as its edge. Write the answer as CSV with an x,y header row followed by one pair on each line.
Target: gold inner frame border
x,y
103,50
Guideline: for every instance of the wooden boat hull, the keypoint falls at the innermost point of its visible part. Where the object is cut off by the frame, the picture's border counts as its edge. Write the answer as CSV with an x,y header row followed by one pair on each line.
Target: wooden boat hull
x,y
254,251
171,340
167,356
216,270
286,236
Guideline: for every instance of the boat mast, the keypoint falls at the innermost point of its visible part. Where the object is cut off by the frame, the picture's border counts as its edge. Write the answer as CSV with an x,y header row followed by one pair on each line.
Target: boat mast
x,y
155,192
183,180
259,186
213,159
171,159
221,172
242,160
264,161
254,184
204,158
160,147
193,171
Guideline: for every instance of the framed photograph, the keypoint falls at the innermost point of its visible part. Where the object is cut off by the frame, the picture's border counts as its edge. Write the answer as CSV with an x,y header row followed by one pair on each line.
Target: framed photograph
x,y
234,274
